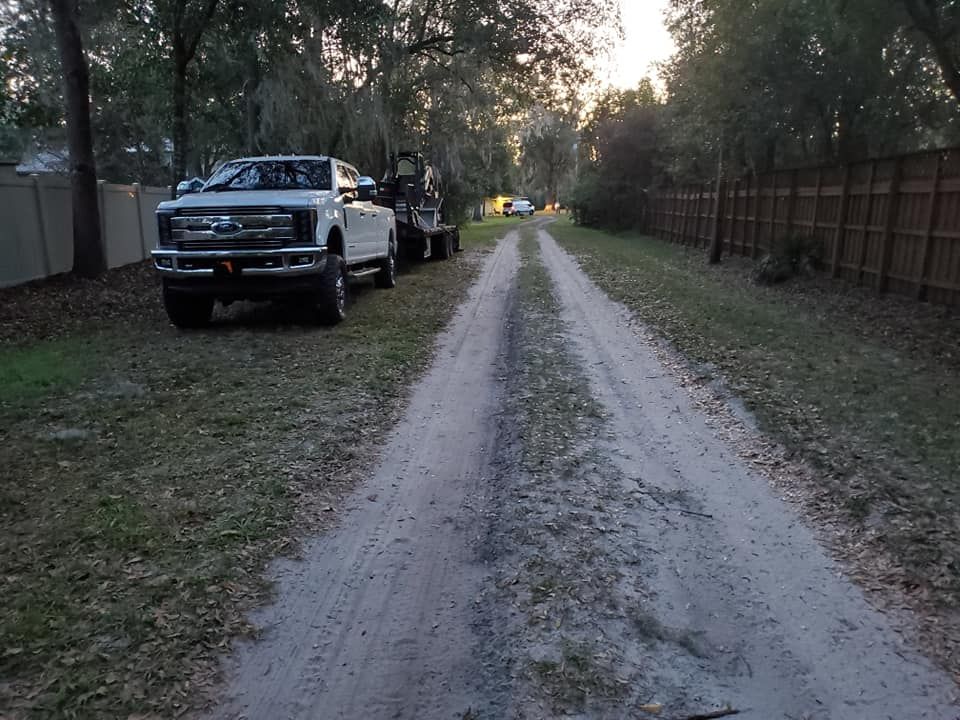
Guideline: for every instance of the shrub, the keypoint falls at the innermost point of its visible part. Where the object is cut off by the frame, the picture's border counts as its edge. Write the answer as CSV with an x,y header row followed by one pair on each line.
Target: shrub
x,y
790,256
608,202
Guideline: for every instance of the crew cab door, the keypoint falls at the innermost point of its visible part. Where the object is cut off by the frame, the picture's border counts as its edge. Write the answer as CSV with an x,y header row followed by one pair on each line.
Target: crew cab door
x,y
354,217
371,220
377,220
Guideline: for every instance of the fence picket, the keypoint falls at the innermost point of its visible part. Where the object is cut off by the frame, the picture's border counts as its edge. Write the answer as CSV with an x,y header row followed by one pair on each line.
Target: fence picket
x,y
816,203
865,243
893,205
840,234
772,227
930,224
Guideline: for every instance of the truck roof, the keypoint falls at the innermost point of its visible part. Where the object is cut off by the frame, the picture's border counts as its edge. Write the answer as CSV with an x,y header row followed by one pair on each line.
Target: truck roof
x,y
280,157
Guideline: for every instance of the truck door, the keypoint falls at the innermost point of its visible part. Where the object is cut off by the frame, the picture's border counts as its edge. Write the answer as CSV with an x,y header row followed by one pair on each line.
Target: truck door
x,y
373,243
354,217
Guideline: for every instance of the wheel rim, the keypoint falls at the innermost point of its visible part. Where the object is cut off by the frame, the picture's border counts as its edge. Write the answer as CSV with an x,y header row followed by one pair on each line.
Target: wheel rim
x,y
393,266
341,293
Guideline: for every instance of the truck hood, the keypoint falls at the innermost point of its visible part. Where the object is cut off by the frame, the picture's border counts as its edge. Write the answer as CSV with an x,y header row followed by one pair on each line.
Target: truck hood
x,y
248,198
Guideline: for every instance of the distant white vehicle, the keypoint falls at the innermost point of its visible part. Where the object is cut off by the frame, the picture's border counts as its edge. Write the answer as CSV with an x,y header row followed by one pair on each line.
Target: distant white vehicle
x,y
523,206
273,227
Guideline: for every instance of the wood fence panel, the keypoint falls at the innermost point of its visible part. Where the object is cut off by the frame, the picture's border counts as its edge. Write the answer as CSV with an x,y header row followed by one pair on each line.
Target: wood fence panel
x,y
856,220
943,264
892,223
805,203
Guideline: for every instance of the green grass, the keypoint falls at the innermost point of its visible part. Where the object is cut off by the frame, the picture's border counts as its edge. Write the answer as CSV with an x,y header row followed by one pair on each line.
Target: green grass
x,y
130,554
484,234
31,372
871,400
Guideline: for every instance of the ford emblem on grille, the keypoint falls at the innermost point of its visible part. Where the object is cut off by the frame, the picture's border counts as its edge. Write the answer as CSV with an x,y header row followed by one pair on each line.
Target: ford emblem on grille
x,y
226,227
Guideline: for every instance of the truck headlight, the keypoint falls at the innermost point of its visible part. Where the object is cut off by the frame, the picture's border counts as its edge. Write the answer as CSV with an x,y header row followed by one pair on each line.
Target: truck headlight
x,y
164,233
305,226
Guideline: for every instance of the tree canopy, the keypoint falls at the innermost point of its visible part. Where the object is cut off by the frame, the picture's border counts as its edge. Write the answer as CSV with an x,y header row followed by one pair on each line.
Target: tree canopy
x,y
788,82
178,85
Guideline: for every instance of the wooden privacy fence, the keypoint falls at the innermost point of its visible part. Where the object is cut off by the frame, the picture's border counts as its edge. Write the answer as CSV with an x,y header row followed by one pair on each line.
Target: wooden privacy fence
x,y
893,223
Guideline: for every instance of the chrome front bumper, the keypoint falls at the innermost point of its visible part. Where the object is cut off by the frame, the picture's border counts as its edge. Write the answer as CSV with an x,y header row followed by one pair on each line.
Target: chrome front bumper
x,y
280,262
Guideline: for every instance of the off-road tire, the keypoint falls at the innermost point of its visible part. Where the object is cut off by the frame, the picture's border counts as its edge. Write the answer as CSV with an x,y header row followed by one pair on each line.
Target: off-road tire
x,y
332,292
442,246
186,310
387,277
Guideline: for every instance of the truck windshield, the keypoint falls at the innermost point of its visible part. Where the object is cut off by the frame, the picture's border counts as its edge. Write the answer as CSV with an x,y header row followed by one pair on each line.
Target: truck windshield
x,y
271,175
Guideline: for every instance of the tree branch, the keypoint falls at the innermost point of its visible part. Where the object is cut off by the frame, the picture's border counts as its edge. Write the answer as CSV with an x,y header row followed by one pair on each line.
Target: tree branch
x,y
201,25
431,42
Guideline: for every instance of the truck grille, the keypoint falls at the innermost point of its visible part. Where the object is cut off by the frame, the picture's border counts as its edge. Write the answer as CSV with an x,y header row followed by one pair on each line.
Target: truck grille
x,y
233,229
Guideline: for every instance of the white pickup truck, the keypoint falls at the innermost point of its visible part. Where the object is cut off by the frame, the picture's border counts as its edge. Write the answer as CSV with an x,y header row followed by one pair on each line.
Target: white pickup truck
x,y
264,228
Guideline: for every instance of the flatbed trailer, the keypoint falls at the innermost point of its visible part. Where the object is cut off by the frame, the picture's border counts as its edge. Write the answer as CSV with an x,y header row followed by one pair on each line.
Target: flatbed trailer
x,y
411,188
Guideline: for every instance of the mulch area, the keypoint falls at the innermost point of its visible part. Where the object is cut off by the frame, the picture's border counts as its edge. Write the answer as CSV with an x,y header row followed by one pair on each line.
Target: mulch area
x,y
59,305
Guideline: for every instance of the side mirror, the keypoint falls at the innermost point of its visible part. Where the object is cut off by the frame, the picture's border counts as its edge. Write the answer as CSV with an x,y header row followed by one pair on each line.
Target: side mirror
x,y
186,187
366,189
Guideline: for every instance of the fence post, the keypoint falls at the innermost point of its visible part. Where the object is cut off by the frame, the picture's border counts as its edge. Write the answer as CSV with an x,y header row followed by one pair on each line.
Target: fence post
x,y
101,196
864,246
696,212
673,215
791,201
44,231
893,205
816,203
931,222
136,192
772,227
746,215
716,242
756,215
683,219
733,214
841,228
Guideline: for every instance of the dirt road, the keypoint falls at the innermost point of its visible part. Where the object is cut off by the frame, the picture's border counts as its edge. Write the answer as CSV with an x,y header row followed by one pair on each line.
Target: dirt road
x,y
553,531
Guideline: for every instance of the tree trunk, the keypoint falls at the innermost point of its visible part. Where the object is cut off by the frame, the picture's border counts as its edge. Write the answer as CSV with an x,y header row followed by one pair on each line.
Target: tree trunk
x,y
179,123
250,95
716,240
89,259
948,66
184,49
928,22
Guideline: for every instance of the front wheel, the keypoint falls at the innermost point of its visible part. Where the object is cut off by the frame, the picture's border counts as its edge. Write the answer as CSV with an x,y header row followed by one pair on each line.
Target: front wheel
x,y
387,277
186,310
332,292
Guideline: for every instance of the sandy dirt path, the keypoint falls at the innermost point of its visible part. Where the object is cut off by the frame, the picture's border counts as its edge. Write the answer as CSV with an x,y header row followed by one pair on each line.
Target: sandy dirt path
x,y
778,631
707,589
377,621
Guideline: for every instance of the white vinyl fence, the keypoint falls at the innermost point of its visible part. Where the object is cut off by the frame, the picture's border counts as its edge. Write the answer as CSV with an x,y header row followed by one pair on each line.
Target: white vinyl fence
x,y
36,225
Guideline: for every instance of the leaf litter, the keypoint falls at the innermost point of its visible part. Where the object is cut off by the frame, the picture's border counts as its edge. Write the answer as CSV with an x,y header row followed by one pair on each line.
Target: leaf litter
x,y
132,553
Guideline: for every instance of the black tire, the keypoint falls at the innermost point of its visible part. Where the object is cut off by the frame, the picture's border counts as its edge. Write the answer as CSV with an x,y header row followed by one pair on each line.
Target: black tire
x,y
332,292
387,277
442,246
186,310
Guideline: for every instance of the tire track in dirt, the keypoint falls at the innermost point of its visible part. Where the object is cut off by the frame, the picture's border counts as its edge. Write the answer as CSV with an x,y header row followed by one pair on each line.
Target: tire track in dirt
x,y
776,630
379,618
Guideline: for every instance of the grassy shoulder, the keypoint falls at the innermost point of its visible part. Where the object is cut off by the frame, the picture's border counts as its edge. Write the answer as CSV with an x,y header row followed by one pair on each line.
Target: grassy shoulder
x,y
150,474
484,234
865,387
